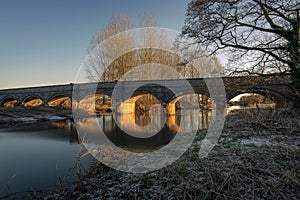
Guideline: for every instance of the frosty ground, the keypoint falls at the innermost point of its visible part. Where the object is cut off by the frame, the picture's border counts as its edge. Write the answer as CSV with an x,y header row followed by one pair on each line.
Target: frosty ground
x,y
257,156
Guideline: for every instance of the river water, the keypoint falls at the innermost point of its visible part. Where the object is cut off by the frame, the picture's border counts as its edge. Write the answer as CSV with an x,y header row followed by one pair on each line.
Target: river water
x,y
38,157
42,156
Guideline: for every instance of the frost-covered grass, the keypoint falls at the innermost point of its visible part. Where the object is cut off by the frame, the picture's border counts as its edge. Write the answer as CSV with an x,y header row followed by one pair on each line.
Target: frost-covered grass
x,y
257,156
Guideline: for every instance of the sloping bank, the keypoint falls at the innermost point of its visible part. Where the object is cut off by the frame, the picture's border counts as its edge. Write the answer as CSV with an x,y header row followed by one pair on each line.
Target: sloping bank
x,y
257,156
19,115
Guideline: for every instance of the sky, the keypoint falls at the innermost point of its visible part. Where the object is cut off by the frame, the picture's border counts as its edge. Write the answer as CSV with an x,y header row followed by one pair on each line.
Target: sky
x,y
44,42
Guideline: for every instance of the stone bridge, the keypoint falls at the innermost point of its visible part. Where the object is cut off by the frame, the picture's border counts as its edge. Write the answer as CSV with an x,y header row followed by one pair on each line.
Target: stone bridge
x,y
166,91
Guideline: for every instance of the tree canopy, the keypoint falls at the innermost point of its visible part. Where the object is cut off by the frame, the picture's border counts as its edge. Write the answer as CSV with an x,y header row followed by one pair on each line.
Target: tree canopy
x,y
262,36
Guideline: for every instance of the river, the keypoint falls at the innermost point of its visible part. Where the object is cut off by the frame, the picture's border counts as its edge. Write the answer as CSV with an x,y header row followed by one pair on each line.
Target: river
x,y
43,156
38,157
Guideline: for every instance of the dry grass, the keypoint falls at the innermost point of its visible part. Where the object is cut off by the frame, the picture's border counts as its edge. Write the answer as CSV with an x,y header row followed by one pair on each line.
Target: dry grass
x,y
233,170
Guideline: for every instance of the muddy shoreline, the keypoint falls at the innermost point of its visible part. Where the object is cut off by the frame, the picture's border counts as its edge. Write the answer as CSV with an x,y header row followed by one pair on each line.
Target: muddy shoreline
x,y
23,115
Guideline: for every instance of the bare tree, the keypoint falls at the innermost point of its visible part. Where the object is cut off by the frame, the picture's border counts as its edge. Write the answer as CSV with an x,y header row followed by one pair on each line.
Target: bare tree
x,y
108,65
111,60
261,36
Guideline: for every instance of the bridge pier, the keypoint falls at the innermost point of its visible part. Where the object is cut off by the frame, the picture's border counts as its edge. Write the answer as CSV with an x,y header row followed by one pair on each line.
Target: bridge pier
x,y
171,123
126,108
171,108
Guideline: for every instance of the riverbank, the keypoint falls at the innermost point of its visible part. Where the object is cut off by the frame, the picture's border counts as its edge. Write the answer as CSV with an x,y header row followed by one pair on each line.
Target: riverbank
x,y
258,156
20,115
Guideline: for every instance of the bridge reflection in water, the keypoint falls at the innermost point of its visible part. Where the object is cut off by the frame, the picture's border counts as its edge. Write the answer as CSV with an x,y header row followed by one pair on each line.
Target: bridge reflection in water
x,y
138,133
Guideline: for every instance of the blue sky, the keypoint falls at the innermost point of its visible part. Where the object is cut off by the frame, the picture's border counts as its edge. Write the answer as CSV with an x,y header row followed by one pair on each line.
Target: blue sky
x,y
43,42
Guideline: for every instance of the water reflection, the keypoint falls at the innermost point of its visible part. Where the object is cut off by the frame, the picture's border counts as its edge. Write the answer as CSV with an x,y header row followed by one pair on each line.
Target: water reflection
x,y
68,126
37,156
134,132
58,131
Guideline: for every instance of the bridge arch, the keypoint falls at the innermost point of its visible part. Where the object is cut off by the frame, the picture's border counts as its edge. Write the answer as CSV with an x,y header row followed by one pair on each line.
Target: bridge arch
x,y
141,102
8,101
36,100
57,95
185,93
99,102
83,95
61,100
189,101
279,99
